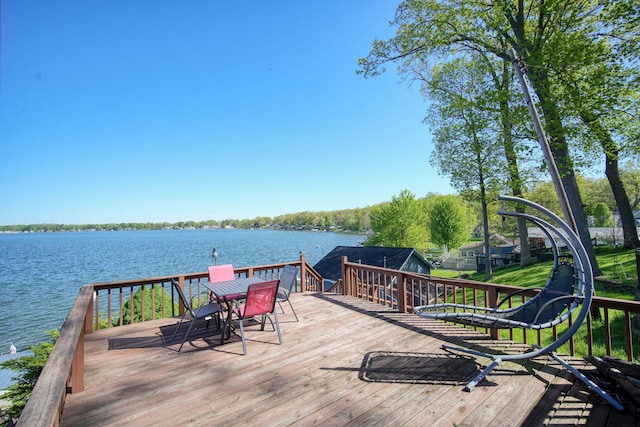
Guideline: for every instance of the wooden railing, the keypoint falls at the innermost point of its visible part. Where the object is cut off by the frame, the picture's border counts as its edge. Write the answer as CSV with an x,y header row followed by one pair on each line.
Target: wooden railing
x,y
111,307
104,305
403,291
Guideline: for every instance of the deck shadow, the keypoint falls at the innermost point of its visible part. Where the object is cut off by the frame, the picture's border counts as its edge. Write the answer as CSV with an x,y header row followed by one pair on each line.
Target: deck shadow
x,y
456,335
135,342
164,337
442,331
417,368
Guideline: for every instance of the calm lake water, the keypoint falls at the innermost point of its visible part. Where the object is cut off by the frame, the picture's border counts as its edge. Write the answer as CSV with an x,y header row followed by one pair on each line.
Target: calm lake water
x,y
41,273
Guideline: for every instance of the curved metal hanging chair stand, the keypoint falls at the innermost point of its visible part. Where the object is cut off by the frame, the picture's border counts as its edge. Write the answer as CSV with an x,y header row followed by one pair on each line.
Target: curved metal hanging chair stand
x,y
579,302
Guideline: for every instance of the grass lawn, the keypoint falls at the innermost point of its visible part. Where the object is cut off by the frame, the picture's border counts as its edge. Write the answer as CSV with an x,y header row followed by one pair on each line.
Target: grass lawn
x,y
617,265
450,274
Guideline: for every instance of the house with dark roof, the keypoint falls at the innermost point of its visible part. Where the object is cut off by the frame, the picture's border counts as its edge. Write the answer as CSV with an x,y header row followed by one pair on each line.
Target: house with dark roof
x,y
403,259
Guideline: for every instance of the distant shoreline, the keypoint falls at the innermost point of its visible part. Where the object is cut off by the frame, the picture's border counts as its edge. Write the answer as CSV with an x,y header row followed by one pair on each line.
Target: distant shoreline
x,y
362,233
356,221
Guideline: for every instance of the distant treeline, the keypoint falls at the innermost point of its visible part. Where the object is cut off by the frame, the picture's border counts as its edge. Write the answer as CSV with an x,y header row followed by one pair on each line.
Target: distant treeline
x,y
351,220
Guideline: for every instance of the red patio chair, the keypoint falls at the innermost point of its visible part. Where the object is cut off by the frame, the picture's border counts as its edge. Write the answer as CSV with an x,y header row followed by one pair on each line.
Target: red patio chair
x,y
260,301
223,273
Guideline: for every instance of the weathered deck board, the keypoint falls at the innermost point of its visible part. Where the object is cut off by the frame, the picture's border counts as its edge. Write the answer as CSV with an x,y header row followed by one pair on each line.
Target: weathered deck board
x,y
347,362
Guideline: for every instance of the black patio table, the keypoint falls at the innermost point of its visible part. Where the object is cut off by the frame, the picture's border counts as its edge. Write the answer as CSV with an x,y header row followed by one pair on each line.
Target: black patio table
x,y
222,291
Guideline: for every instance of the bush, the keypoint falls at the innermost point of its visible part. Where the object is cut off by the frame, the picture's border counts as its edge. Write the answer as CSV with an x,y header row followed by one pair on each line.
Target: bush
x,y
29,368
162,308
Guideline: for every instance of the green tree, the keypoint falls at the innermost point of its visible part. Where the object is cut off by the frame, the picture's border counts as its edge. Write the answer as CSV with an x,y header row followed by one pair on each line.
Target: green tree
x,y
631,178
448,221
28,368
597,190
543,193
602,215
465,142
546,34
599,93
400,223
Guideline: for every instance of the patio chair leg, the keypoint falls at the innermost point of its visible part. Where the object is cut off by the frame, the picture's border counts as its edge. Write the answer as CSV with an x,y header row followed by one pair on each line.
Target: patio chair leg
x,y
294,312
225,331
593,386
176,331
290,305
264,322
244,344
277,326
186,335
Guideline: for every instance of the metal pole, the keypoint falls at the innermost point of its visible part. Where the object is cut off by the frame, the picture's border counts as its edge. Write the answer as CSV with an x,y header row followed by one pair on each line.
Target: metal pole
x,y
519,66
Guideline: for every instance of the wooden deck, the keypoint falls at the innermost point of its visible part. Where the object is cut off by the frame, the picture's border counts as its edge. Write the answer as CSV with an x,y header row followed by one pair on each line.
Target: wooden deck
x,y
347,362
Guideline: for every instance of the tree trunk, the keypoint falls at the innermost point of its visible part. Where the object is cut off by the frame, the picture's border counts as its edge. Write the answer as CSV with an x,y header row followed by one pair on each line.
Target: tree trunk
x,y
560,150
629,230
611,152
525,249
515,182
538,76
488,271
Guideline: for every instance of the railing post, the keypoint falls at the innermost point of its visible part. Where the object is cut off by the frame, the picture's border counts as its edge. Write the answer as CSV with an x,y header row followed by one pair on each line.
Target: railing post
x,y
346,282
181,306
493,302
88,318
303,273
402,292
77,366
96,302
63,370
77,363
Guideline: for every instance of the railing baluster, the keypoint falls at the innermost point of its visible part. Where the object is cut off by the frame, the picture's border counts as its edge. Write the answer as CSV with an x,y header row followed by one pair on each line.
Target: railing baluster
x,y
571,340
121,307
108,307
628,336
589,335
153,301
607,331
96,299
131,304
142,311
163,306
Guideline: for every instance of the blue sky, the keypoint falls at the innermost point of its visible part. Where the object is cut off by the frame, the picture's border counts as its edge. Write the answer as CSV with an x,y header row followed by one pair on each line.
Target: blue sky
x,y
137,111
